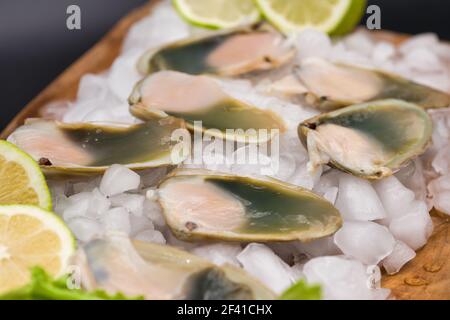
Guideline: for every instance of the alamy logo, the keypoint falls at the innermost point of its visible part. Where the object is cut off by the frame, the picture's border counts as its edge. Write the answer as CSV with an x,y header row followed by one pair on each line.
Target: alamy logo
x,y
73,21
374,20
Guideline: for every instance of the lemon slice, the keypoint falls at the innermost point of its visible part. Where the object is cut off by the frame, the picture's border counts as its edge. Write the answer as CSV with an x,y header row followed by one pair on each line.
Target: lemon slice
x,y
21,179
331,16
218,13
31,236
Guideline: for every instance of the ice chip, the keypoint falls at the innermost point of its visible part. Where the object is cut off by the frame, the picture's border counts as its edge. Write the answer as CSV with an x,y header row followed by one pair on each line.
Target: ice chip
x,y
396,198
116,219
344,279
134,203
320,247
401,255
367,242
441,201
219,253
139,224
261,262
414,228
99,204
78,206
118,179
313,43
357,200
84,229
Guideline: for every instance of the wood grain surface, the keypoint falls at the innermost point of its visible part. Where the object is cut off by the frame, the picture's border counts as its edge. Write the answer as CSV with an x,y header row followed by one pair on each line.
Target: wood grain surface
x,y
425,277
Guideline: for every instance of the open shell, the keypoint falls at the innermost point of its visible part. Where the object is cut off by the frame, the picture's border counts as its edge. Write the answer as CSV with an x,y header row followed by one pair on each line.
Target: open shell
x,y
200,98
226,53
160,272
330,86
90,148
200,204
371,140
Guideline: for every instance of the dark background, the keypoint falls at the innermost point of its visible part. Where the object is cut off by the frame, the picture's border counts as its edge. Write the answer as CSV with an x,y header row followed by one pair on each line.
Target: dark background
x,y
35,45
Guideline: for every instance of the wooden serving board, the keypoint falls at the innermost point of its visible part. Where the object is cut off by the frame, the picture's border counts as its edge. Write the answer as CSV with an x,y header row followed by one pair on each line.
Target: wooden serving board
x,y
426,277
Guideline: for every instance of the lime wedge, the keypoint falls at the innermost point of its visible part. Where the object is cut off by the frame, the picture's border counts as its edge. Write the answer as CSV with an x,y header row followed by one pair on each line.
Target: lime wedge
x,y
331,16
31,236
218,13
21,179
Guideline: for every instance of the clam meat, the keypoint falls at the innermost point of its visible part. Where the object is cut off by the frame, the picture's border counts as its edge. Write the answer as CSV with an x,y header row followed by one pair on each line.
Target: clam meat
x,y
200,204
372,140
201,98
84,148
330,86
159,272
225,53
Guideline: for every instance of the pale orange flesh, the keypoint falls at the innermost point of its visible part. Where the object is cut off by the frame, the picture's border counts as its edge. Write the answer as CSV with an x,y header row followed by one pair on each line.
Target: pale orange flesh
x,y
46,141
176,92
338,83
203,204
245,49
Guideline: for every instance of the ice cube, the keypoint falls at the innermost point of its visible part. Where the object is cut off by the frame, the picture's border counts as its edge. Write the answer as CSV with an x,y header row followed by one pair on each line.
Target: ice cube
x,y
60,204
423,60
320,247
153,236
78,206
424,40
261,262
344,279
414,228
99,204
148,33
401,255
440,193
357,200
367,242
360,42
116,219
134,203
441,162
219,253
92,87
302,177
153,211
412,177
139,224
331,194
84,229
313,43
123,74
383,52
396,198
119,179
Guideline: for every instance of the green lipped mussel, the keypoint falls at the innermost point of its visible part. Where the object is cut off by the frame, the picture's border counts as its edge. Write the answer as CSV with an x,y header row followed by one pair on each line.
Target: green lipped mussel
x,y
200,98
330,86
89,148
159,272
226,53
200,204
371,140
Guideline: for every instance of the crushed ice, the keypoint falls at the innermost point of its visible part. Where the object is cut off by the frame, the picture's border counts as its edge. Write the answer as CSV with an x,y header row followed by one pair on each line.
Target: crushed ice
x,y
384,221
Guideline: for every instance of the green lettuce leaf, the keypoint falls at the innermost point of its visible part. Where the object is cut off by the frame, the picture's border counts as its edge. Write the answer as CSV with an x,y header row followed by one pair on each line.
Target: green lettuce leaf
x,y
44,287
302,291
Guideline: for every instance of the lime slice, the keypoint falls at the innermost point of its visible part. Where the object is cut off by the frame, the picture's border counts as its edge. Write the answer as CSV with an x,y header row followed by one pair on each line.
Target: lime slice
x,y
218,13
31,236
331,16
21,179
